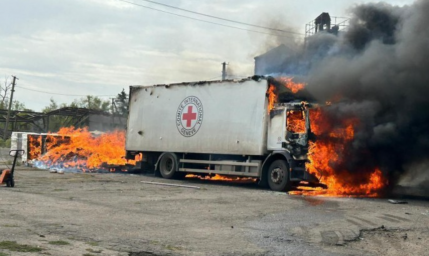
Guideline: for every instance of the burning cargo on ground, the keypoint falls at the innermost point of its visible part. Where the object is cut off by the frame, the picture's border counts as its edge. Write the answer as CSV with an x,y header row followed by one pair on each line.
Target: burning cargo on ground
x,y
74,149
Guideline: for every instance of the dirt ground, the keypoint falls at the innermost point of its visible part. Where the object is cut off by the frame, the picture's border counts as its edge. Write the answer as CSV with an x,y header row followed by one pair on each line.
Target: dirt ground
x,y
116,214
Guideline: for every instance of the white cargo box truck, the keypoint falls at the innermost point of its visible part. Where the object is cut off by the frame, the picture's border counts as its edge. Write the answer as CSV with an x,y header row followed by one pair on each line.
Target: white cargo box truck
x,y
219,127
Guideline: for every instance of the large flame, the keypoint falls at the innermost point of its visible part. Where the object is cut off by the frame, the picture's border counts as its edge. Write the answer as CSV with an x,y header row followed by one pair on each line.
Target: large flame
x,y
78,148
288,83
296,121
328,153
327,156
34,146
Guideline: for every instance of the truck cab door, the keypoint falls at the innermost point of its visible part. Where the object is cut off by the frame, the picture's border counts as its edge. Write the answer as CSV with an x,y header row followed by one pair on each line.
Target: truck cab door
x,y
276,129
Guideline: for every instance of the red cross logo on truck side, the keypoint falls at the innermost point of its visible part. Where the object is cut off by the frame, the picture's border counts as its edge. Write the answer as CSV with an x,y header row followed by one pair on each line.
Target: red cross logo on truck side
x,y
189,117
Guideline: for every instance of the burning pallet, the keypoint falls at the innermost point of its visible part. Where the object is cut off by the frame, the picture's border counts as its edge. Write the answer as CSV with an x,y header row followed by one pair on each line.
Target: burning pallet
x,y
75,150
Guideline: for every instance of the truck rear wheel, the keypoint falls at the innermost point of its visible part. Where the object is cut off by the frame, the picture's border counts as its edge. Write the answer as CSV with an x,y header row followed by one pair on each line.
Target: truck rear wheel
x,y
168,166
278,176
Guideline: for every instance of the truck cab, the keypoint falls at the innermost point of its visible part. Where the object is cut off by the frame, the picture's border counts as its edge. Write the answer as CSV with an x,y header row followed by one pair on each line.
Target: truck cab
x,y
289,131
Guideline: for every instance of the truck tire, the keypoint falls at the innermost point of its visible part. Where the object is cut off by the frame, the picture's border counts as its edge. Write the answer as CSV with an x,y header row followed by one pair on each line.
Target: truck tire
x,y
278,176
169,166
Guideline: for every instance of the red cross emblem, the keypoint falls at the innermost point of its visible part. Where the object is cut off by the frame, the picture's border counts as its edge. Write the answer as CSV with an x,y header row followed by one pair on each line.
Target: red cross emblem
x,y
189,117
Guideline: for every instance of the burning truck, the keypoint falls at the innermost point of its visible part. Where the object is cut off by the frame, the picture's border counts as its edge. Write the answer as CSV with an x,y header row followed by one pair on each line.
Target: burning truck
x,y
230,128
257,129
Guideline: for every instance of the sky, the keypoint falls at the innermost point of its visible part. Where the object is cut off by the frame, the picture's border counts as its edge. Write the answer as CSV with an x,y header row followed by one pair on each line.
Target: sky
x,y
99,47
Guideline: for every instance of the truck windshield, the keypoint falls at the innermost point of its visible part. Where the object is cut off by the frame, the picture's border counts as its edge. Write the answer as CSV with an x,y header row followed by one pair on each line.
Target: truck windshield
x,y
295,121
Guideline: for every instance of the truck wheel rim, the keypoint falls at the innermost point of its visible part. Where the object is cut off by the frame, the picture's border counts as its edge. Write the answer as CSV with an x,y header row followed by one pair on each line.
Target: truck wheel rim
x,y
277,175
168,166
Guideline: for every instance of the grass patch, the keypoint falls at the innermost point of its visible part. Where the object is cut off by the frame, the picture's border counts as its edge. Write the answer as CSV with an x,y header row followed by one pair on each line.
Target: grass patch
x,y
3,254
15,247
86,176
172,248
94,251
59,242
10,226
92,243
88,254
59,190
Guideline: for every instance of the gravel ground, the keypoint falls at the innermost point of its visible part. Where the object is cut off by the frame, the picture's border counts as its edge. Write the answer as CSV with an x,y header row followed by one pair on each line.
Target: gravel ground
x,y
114,214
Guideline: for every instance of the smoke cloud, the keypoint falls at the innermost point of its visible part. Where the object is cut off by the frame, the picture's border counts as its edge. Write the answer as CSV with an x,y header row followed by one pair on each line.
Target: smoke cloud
x,y
377,72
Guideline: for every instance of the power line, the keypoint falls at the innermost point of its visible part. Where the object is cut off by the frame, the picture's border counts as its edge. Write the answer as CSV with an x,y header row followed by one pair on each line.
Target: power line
x,y
220,18
63,94
210,22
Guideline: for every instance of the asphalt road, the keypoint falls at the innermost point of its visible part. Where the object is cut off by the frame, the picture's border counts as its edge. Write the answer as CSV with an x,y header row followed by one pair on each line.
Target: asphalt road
x,y
114,214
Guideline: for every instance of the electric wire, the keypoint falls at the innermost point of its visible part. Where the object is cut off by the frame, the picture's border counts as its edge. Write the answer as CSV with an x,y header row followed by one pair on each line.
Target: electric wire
x,y
62,94
220,18
210,22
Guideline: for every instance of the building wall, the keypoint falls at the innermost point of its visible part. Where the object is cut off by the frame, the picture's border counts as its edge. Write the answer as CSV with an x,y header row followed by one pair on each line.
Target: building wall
x,y
107,123
272,61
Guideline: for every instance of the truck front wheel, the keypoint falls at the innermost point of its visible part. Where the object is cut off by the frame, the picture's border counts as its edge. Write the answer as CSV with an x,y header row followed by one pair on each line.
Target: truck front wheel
x,y
278,176
168,166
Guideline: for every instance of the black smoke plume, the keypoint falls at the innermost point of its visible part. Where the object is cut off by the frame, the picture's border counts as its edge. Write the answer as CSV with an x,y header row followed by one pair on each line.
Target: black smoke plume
x,y
379,70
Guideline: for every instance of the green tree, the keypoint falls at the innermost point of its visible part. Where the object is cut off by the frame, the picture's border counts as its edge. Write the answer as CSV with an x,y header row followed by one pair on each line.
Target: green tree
x,y
55,122
121,102
92,102
52,106
19,106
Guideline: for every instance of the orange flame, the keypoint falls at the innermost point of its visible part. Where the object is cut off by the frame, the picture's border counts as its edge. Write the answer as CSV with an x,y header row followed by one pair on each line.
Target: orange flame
x,y
218,177
328,151
34,146
286,82
78,148
272,97
295,122
291,85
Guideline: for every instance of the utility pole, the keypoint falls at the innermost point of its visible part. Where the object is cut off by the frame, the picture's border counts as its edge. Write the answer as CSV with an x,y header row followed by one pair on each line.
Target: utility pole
x,y
224,71
89,102
112,109
112,106
10,106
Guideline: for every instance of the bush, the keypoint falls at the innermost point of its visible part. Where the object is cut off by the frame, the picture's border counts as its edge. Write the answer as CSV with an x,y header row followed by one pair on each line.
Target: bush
x,y
5,143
